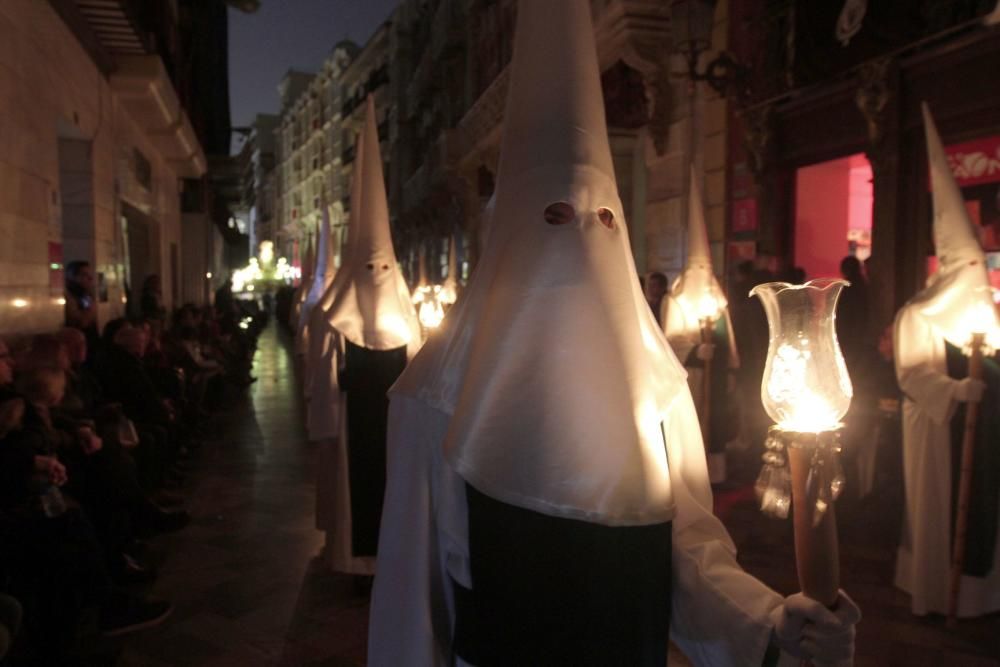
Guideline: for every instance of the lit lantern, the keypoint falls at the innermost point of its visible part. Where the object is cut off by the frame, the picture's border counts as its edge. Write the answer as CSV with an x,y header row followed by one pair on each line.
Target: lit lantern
x,y
430,308
806,387
806,390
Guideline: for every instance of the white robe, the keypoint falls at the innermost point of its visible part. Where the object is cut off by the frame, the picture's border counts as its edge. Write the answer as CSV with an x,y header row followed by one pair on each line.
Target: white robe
x,y
326,425
719,615
924,560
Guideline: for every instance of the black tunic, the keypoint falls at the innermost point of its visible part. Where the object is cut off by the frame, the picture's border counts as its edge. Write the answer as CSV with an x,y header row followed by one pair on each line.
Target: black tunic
x,y
554,591
365,379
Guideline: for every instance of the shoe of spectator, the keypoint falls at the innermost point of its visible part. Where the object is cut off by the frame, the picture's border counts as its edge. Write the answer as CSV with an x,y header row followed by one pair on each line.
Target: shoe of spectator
x,y
137,549
132,614
133,572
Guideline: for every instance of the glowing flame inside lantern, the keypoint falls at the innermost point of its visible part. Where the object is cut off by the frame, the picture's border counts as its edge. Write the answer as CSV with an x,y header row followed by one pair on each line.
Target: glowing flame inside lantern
x,y
803,410
430,306
981,319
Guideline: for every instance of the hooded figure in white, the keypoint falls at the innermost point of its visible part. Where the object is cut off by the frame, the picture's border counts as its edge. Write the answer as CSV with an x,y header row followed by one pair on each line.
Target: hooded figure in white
x,y
930,332
302,291
322,276
695,295
362,338
548,427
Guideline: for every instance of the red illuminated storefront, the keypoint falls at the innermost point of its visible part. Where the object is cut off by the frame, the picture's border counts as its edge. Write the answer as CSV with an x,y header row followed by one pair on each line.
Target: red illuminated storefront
x,y
826,146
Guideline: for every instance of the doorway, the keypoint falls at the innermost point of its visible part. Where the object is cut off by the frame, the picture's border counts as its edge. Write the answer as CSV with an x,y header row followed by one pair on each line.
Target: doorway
x,y
833,214
142,239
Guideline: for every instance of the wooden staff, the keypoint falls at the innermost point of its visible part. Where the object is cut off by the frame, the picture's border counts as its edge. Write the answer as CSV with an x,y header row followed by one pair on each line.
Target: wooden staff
x,y
706,383
817,553
965,483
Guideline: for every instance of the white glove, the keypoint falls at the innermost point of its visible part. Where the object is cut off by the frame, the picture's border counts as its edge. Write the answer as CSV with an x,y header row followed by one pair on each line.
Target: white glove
x,y
969,390
705,351
806,629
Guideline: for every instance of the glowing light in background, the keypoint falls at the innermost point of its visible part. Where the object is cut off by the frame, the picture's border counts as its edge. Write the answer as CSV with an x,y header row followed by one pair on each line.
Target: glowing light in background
x,y
19,303
430,305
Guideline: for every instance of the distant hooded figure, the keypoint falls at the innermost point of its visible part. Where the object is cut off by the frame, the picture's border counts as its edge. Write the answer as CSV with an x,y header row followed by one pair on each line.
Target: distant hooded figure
x,y
302,291
696,294
364,331
930,332
322,276
547,501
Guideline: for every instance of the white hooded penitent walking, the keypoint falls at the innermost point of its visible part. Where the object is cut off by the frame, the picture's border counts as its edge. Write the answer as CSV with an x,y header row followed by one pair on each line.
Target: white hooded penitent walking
x,y
322,276
305,282
362,338
930,331
550,395
696,294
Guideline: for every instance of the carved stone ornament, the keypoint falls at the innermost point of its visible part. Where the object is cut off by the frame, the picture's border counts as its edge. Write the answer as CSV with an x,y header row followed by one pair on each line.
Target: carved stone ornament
x,y
660,101
873,95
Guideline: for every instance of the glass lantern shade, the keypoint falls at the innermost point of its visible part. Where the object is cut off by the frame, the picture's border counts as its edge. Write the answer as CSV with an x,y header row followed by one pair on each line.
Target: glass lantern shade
x,y
805,387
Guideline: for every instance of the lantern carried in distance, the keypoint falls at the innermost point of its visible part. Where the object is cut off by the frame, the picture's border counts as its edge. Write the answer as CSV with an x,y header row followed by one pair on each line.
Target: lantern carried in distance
x,y
806,390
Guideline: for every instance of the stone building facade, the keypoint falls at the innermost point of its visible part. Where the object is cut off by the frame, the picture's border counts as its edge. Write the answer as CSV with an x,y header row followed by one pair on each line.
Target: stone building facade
x,y
317,131
438,69
257,162
829,85
96,150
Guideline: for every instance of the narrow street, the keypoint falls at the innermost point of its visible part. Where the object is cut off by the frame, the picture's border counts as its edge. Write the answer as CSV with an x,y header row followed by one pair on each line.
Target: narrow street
x,y
248,589
242,576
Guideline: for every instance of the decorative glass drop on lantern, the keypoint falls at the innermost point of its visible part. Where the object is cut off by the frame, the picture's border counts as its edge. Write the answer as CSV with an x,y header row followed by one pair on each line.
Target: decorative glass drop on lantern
x,y
806,388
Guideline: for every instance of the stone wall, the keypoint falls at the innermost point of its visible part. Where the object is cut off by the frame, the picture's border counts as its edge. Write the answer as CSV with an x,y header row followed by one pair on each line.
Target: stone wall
x,y
67,161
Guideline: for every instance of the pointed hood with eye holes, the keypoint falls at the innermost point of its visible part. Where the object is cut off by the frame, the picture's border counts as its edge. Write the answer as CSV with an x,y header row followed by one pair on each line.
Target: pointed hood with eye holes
x,y
372,307
551,366
958,299
696,292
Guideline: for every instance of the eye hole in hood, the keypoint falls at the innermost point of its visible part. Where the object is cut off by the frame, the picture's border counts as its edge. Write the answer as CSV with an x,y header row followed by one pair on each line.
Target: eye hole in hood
x,y
559,213
606,217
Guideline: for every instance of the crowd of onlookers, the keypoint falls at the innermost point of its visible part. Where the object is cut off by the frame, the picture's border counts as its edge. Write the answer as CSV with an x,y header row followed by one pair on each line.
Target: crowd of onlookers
x,y
96,435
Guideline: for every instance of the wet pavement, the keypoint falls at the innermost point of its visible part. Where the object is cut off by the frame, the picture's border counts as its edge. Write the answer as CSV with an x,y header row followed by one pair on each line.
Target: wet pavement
x,y
249,589
244,576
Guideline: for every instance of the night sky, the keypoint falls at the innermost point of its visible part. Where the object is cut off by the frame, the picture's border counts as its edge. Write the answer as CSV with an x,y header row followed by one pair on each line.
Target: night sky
x,y
285,34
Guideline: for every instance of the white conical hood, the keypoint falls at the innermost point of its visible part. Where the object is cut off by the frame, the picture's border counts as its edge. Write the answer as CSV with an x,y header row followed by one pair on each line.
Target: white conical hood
x,y
696,294
552,367
340,277
958,300
374,309
956,240
449,290
322,272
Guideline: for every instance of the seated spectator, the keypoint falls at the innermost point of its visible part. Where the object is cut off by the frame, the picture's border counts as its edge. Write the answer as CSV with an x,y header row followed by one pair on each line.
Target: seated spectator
x,y
49,552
